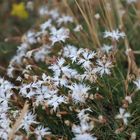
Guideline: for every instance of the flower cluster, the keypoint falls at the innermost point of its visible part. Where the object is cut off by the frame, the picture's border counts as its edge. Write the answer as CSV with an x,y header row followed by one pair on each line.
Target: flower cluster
x,y
62,82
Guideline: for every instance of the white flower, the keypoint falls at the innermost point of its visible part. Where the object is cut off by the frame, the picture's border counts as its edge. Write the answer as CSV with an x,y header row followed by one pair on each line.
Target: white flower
x,y
40,55
137,83
133,136
103,68
5,94
59,35
4,121
3,107
57,68
129,99
131,1
64,19
123,115
10,71
55,101
69,51
4,133
106,48
5,85
83,116
19,79
28,119
30,5
43,11
80,132
43,95
60,81
84,136
4,98
18,137
4,126
89,74
115,34
54,14
28,90
88,54
23,89
97,16
78,28
40,131
79,92
46,25
68,72
45,77
82,128
17,59
30,37
85,61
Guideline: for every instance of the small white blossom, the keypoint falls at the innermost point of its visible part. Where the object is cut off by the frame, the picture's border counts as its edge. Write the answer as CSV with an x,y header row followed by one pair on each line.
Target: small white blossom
x,y
4,107
23,89
54,14
46,25
97,16
129,99
4,120
115,34
4,133
89,74
30,5
59,35
60,81
79,92
71,52
68,72
40,55
131,1
85,60
28,119
18,137
80,131
4,98
82,128
30,37
78,28
57,67
55,101
43,11
83,116
5,85
43,95
137,83
65,19
40,131
133,136
123,115
84,136
106,48
103,68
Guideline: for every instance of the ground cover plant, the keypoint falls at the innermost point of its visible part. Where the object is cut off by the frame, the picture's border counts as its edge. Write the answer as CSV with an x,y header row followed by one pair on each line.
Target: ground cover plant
x,y
70,70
